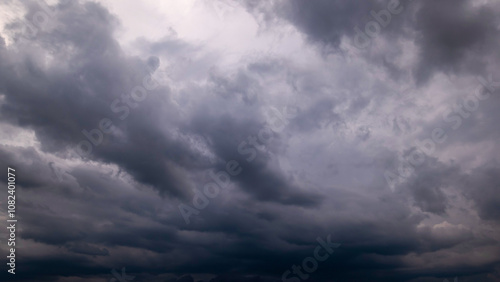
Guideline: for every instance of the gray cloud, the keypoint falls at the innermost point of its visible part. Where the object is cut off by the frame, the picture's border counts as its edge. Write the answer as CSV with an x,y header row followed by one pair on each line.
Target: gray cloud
x,y
357,113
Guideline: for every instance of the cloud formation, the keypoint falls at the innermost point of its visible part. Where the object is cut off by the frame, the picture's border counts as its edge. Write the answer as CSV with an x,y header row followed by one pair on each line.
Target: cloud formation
x,y
109,136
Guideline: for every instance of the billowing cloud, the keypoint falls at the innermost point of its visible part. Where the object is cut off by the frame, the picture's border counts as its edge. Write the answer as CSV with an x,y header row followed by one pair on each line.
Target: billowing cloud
x,y
236,141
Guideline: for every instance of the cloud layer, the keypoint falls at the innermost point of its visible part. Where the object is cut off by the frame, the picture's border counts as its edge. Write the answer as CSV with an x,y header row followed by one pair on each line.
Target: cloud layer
x,y
123,147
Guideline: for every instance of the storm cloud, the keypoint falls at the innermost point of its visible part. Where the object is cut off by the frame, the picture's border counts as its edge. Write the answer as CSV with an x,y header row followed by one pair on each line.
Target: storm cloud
x,y
227,140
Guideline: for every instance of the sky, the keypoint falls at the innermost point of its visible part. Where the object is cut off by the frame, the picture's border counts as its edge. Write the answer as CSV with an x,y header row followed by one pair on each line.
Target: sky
x,y
251,140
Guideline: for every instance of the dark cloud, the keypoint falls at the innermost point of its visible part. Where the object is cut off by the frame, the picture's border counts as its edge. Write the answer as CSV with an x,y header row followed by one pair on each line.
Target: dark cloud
x,y
322,21
86,89
481,186
454,37
318,175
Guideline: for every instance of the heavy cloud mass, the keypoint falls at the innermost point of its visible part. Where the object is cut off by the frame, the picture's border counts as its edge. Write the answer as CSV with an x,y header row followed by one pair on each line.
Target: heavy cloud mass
x,y
250,141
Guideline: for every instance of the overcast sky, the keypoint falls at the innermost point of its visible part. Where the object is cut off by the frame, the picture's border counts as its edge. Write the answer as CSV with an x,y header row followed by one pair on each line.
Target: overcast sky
x,y
228,141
